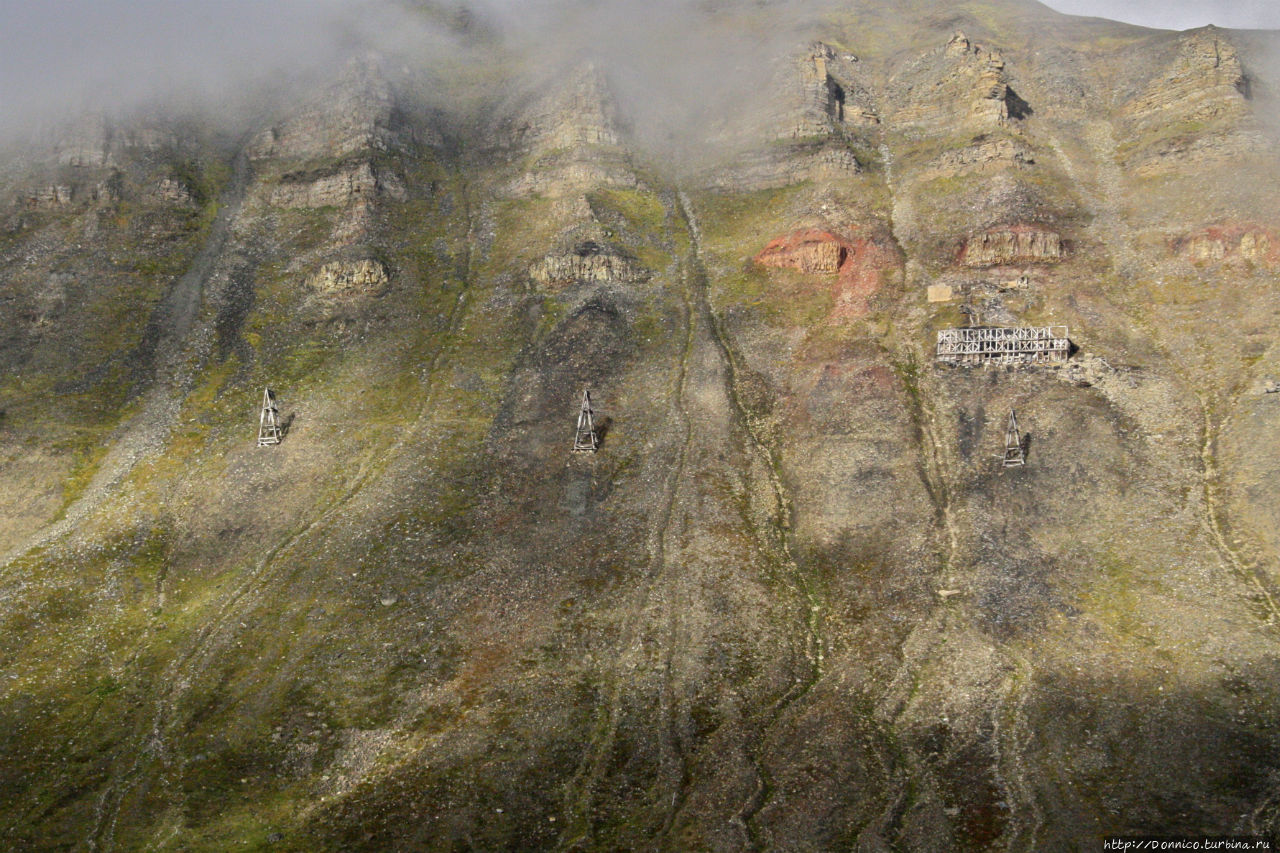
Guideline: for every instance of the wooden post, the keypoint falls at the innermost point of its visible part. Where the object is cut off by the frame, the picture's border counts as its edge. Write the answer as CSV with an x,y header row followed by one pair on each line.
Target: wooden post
x,y
585,439
269,432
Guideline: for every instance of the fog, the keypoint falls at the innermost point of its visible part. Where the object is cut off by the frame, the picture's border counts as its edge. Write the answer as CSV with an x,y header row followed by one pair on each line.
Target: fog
x,y
678,68
61,58
674,63
670,63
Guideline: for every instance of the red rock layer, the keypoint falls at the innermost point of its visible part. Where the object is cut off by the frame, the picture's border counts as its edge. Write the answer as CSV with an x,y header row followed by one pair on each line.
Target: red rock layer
x,y
1245,241
857,260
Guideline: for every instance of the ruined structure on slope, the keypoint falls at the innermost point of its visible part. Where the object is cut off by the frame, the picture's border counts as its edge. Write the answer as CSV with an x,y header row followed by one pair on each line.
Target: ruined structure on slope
x,y
1015,454
269,431
586,439
1015,345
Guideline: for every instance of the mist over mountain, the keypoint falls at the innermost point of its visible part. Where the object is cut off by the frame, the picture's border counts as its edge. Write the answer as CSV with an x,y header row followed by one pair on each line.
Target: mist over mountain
x,y
925,500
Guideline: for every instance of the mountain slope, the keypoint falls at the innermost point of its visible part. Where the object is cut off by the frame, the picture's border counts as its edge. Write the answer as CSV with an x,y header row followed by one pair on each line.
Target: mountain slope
x,y
794,602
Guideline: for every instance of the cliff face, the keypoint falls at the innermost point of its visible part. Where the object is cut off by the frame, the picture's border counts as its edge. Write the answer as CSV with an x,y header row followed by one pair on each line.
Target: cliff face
x,y
1002,246
1195,109
794,601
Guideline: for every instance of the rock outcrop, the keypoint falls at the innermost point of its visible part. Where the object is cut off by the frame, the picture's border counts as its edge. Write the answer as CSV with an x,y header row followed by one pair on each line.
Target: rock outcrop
x,y
782,166
88,143
580,112
346,184
570,141
827,97
1205,81
810,251
1197,109
794,600
857,259
587,261
365,277
1017,244
80,193
570,174
173,191
961,84
984,155
97,141
359,113
1253,243
49,197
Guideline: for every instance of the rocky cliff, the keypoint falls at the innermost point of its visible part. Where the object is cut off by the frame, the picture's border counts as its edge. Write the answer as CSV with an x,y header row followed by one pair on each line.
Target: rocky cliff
x,y
794,601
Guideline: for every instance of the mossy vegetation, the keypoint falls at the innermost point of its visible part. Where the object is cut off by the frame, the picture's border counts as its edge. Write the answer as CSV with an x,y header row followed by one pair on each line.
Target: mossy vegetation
x,y
421,622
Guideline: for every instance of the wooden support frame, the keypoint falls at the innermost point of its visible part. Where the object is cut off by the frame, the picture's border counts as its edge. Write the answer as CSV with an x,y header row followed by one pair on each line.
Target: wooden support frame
x,y
585,440
1003,345
269,429
1014,453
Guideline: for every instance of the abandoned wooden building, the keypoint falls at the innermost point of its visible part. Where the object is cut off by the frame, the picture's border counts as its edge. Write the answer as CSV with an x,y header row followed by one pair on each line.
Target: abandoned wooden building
x,y
1003,345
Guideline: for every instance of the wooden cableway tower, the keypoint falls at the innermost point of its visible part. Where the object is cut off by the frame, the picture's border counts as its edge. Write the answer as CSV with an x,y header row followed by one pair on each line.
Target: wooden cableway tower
x,y
1014,454
269,430
585,439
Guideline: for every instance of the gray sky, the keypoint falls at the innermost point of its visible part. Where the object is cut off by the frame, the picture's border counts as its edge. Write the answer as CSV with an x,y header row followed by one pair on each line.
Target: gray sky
x,y
1178,14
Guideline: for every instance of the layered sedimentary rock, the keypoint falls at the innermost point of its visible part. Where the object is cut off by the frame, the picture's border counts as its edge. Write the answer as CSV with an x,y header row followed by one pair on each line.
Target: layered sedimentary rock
x,y
347,184
1196,109
1253,243
810,251
569,137
88,143
1206,80
783,165
588,261
984,155
366,277
826,97
1013,245
794,601
817,103
358,113
173,190
961,83
580,112
859,260
51,196
80,193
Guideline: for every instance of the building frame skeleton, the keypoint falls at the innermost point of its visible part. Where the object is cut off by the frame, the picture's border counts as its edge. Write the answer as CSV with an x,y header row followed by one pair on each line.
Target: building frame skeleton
x,y
585,440
269,431
1003,345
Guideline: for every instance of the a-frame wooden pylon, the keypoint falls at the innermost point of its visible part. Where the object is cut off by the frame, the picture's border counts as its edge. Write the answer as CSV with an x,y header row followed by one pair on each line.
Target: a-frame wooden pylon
x,y
1014,455
585,439
269,431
